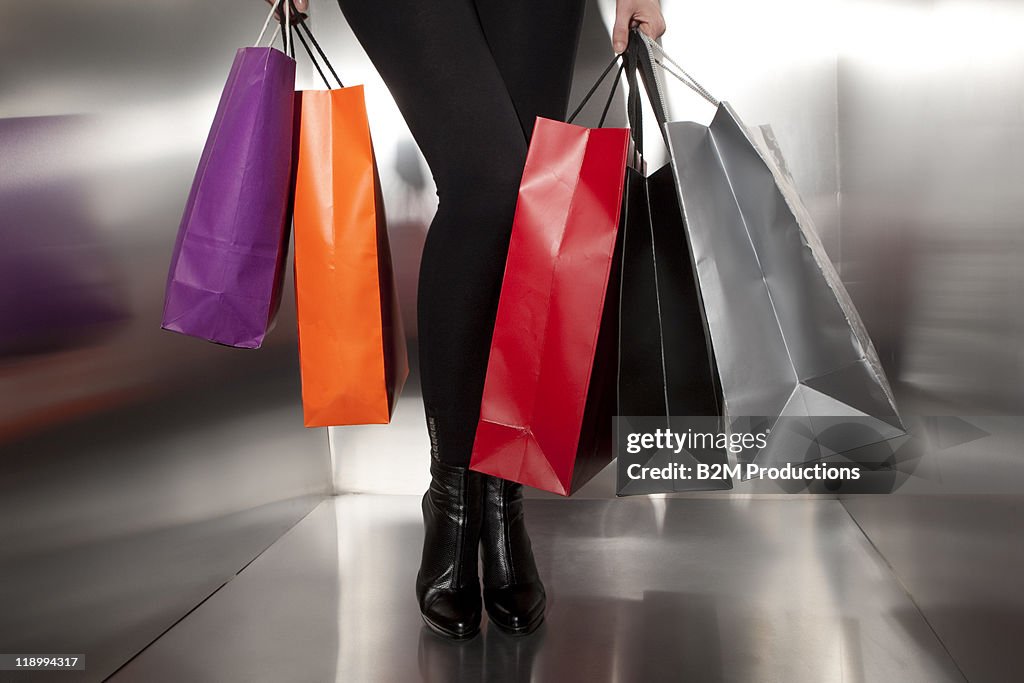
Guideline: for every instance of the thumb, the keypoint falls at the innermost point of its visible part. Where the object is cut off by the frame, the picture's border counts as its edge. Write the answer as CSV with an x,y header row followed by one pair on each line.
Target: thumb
x,y
620,33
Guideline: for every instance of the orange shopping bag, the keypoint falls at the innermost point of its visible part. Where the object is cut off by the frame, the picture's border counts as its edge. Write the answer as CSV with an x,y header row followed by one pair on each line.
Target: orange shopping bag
x,y
351,343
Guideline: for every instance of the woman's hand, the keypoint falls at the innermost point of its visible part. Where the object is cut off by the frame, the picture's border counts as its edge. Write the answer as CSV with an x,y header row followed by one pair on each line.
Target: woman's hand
x,y
643,14
298,10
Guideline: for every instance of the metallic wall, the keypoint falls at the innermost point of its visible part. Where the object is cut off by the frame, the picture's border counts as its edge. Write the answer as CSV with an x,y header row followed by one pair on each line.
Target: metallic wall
x,y
139,470
931,132
104,108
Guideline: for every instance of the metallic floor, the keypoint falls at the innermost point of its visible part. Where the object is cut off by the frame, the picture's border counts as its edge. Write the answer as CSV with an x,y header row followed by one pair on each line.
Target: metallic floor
x,y
641,589
140,559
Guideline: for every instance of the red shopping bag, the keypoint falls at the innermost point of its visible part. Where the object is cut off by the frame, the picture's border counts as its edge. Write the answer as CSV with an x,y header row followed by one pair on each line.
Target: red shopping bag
x,y
549,395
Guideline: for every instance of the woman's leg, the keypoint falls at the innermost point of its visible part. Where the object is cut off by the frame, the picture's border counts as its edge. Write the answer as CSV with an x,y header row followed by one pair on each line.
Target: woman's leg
x,y
534,45
437,63
468,77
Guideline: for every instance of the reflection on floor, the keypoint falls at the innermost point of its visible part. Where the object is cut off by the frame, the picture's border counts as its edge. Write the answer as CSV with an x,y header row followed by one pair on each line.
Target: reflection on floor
x,y
109,598
962,559
115,525
640,590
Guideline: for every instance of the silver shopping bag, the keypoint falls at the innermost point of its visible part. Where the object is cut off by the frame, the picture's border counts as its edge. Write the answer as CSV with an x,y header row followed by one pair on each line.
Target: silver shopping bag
x,y
787,339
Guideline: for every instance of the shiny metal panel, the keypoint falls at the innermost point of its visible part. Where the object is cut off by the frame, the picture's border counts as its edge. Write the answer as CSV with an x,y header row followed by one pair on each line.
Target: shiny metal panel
x,y
962,560
99,143
112,527
139,469
639,589
108,598
930,137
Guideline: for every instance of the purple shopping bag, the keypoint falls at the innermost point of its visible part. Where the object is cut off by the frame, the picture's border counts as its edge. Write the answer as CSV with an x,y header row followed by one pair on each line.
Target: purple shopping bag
x,y
227,268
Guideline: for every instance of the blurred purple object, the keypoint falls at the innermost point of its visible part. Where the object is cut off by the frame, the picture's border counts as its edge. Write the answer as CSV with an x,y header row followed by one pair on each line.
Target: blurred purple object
x,y
227,268
58,285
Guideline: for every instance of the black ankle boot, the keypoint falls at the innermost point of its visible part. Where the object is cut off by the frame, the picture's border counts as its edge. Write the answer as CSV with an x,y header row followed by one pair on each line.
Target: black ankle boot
x,y
513,592
447,586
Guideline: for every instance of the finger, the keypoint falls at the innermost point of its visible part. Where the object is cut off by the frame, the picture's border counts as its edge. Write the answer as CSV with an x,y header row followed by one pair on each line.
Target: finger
x,y
659,27
297,10
620,33
654,29
294,16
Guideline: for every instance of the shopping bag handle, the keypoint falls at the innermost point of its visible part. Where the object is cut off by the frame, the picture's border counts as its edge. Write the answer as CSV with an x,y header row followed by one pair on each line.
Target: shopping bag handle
x,y
266,23
630,61
639,63
597,84
642,56
303,27
658,56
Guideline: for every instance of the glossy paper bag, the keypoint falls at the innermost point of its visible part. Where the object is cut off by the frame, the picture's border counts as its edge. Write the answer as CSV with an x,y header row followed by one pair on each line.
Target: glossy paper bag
x,y
549,394
667,375
787,338
666,366
792,356
226,274
351,345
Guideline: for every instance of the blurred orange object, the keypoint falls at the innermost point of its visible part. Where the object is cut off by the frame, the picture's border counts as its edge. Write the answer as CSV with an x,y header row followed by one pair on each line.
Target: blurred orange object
x,y
351,343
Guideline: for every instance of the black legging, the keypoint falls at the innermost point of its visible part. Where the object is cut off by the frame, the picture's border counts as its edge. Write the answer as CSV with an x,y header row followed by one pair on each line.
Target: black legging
x,y
469,76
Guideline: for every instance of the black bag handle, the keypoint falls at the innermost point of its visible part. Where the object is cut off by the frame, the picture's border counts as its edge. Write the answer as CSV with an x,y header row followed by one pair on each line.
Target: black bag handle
x,y
645,62
287,37
593,89
641,62
638,63
636,59
634,111
298,34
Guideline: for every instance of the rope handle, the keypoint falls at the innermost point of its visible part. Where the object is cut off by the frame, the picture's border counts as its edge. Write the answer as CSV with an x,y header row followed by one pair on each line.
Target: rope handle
x,y
266,23
662,59
638,63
